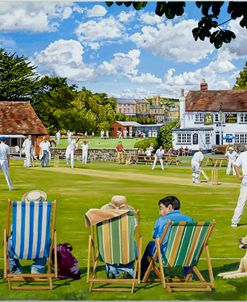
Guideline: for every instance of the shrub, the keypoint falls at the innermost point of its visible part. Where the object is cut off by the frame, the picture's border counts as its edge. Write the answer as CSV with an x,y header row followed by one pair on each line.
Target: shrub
x,y
144,144
165,134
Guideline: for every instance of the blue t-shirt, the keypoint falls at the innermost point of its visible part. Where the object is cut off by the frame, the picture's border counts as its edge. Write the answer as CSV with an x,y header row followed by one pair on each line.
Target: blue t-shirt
x,y
174,216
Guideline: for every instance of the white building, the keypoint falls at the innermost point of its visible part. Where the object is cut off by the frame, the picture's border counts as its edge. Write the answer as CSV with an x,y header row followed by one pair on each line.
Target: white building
x,y
211,117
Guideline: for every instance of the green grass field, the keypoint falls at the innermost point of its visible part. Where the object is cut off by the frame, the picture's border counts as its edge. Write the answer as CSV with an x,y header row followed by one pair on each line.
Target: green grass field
x,y
96,142
77,190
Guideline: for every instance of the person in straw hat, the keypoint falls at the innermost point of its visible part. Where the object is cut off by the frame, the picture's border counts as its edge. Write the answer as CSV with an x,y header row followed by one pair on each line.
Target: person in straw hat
x,y
119,202
38,266
231,157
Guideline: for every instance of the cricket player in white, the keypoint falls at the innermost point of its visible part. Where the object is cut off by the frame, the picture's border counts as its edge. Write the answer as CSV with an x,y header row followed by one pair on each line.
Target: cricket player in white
x,y
231,157
70,153
240,162
4,161
58,136
196,166
84,152
158,156
27,147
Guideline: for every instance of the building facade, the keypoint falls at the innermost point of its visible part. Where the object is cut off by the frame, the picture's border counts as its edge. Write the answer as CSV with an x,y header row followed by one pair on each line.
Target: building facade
x,y
211,117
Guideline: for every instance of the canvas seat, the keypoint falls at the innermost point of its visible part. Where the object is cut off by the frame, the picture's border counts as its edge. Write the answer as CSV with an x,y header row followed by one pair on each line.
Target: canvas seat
x,y
185,243
116,243
33,234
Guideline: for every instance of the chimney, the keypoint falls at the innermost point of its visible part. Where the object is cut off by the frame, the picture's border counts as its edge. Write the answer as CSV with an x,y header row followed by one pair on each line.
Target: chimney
x,y
182,92
204,85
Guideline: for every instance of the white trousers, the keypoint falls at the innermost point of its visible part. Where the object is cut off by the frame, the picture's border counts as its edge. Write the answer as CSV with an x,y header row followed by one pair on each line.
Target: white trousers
x,y
84,157
27,160
70,156
155,161
195,171
229,167
4,166
240,205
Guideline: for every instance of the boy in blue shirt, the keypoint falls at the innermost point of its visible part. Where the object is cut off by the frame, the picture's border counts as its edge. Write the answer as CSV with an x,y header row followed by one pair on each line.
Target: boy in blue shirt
x,y
169,210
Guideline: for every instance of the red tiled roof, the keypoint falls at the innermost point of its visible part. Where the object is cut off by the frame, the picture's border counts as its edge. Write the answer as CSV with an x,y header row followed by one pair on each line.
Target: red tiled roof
x,y
210,100
19,118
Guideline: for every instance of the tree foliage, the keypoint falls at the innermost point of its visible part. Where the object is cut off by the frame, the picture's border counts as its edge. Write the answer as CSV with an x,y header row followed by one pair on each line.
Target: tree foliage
x,y
209,26
241,81
17,77
145,143
165,134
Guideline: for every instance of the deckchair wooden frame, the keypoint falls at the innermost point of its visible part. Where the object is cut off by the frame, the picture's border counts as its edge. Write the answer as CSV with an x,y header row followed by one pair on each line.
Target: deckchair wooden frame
x,y
183,284
94,259
28,277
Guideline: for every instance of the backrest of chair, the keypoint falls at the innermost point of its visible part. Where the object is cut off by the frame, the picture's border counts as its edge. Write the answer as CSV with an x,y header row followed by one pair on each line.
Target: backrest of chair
x,y
31,229
186,241
116,239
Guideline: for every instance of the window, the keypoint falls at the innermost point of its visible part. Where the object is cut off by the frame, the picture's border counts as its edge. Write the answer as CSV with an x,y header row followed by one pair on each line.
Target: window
x,y
241,138
243,118
199,118
216,117
207,138
184,138
195,139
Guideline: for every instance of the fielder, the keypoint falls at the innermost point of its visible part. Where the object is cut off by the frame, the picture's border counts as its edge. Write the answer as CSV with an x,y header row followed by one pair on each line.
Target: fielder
x,y
158,156
231,158
27,147
84,152
70,153
196,166
4,161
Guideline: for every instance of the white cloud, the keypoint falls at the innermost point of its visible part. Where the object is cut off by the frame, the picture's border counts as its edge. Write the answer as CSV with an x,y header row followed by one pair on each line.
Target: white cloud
x,y
7,43
150,18
105,29
33,16
125,17
122,64
96,11
174,41
145,78
64,58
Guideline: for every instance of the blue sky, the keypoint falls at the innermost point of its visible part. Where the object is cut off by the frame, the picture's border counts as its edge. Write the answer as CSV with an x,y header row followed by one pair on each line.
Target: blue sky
x,y
118,50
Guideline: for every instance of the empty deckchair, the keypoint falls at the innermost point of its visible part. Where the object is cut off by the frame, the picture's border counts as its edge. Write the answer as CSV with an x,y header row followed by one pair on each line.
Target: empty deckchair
x,y
33,236
185,243
115,244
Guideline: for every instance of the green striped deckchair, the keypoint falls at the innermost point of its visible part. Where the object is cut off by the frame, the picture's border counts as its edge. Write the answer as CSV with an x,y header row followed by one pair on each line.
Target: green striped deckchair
x,y
185,243
115,244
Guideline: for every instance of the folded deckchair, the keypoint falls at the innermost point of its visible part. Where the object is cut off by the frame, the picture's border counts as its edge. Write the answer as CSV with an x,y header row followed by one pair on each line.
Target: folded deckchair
x,y
33,236
115,244
185,243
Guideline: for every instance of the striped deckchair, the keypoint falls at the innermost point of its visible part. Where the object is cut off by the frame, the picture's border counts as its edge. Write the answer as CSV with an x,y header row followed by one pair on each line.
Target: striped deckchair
x,y
33,235
185,243
116,244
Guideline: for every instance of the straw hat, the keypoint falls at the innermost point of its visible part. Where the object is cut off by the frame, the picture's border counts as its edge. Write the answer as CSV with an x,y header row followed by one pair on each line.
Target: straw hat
x,y
118,202
230,148
35,195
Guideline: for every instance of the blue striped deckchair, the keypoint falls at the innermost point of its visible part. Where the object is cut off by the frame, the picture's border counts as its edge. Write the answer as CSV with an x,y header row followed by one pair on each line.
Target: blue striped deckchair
x,y
33,236
115,245
185,243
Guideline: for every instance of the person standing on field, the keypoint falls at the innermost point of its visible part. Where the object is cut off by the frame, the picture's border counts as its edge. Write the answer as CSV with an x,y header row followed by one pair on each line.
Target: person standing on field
x,y
158,156
120,151
84,152
27,147
4,161
231,158
196,166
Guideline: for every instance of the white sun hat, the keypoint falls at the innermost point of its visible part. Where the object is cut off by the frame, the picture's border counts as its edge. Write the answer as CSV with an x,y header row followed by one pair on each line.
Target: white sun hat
x,y
35,195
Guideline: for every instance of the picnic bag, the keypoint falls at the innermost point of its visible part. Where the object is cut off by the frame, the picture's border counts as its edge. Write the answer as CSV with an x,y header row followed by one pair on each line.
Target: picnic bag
x,y
67,264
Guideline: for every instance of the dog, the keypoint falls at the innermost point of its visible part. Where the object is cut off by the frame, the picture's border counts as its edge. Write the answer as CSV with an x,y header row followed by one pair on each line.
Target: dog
x,y
242,270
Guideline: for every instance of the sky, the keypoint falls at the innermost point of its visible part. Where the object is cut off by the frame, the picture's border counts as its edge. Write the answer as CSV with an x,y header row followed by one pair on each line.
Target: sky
x,y
118,50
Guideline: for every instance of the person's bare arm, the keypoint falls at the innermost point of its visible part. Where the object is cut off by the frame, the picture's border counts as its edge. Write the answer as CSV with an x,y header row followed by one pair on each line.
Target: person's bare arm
x,y
236,169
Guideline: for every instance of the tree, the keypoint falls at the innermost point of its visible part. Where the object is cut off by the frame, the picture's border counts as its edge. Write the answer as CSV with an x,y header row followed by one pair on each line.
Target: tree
x,y
17,77
53,102
241,81
165,134
208,26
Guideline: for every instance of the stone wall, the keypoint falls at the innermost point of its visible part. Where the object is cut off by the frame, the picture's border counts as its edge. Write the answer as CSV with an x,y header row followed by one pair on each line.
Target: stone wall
x,y
106,154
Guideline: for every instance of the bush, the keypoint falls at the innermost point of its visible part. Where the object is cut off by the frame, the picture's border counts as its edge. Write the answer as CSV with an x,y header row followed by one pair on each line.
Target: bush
x,y
165,134
145,143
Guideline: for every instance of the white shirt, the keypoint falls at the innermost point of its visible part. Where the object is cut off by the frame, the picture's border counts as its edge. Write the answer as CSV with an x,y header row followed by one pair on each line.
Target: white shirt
x,y
58,134
45,146
84,148
27,145
242,162
231,156
4,151
159,153
198,157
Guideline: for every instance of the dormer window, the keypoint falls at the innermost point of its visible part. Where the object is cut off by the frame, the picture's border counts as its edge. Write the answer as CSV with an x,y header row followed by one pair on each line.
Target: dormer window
x,y
199,117
243,118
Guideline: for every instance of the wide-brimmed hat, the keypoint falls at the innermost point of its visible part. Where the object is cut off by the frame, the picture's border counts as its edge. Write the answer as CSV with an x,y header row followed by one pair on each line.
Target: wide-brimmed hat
x,y
117,202
230,148
35,195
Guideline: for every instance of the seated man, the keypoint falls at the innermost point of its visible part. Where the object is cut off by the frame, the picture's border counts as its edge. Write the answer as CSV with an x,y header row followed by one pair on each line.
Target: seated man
x,y
119,202
38,267
169,210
